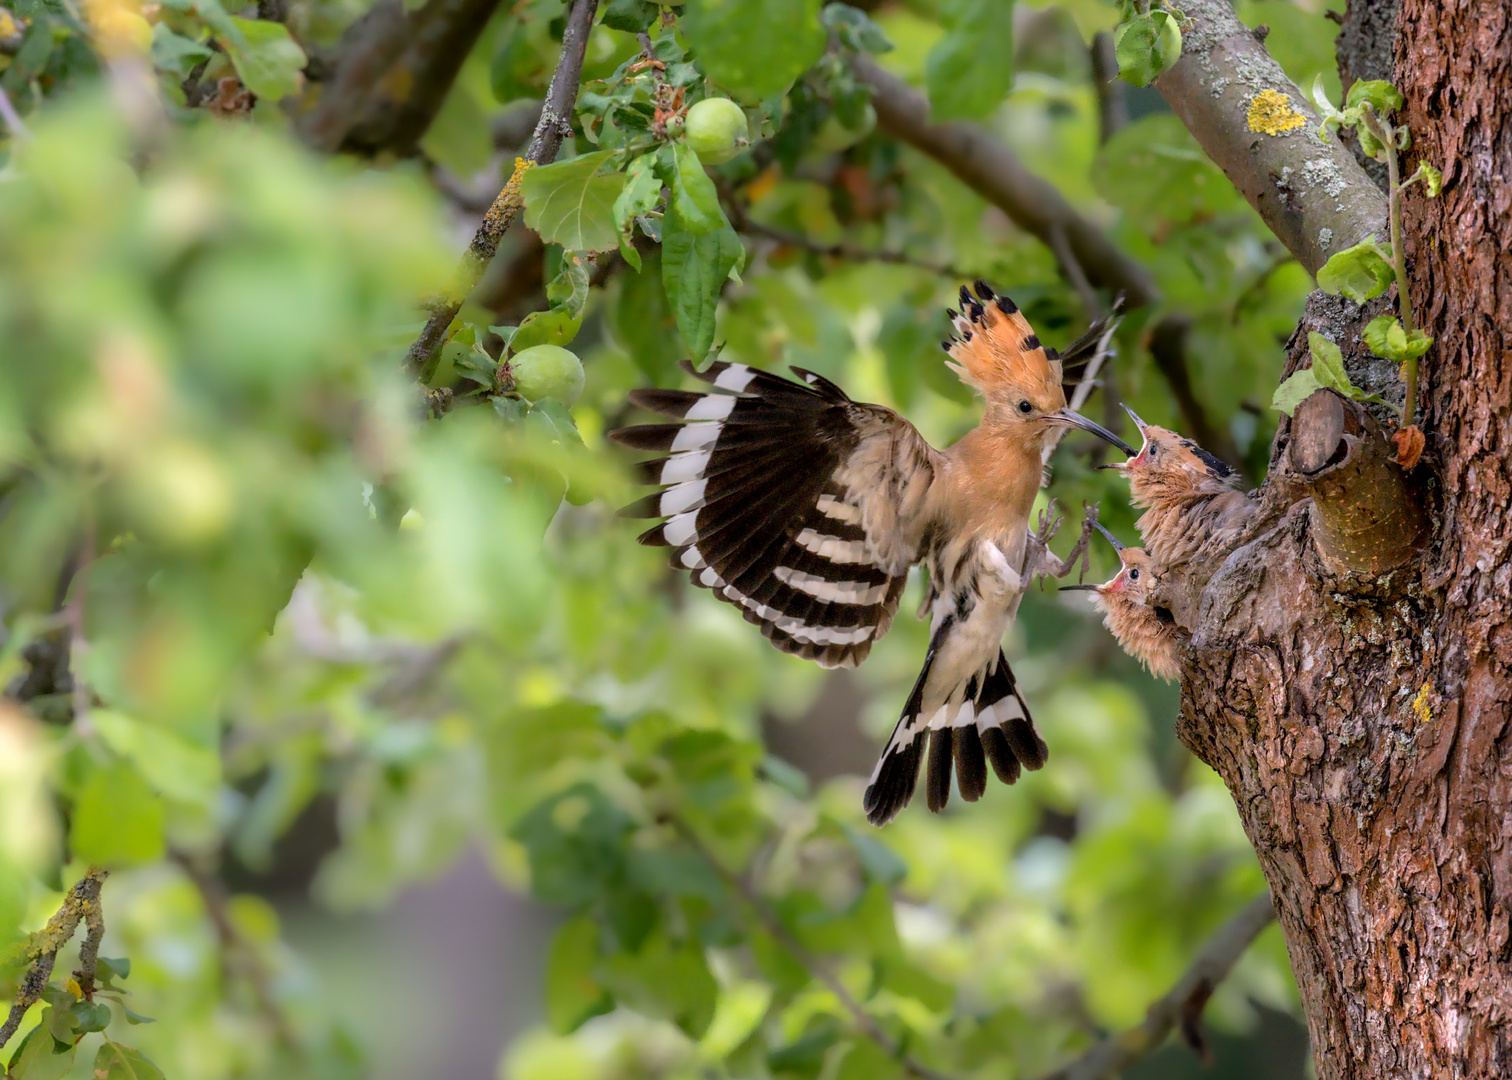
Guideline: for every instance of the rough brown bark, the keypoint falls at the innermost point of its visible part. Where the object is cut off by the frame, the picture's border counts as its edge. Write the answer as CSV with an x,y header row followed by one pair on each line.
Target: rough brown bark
x,y
1361,721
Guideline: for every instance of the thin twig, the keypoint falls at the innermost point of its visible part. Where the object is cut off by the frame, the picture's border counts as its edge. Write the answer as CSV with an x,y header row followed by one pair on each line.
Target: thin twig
x,y
1386,134
78,644
1181,1005
554,124
847,251
82,904
13,119
1073,270
988,167
774,926
235,950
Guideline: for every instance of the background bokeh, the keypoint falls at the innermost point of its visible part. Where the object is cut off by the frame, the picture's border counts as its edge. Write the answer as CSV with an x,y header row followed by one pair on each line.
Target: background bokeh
x,y
407,765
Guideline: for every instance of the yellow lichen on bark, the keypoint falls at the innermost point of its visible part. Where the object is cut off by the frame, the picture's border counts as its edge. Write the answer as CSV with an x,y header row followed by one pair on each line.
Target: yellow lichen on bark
x,y
1271,113
1420,710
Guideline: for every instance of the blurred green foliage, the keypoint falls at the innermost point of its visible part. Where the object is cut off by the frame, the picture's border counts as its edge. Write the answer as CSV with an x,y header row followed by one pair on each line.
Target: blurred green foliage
x,y
241,571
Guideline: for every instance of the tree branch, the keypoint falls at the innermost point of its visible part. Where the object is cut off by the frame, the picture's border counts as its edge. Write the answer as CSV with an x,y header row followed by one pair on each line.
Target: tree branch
x,y
82,904
398,110
368,50
774,926
843,250
1310,192
1365,516
1168,348
556,115
1182,1004
991,170
235,950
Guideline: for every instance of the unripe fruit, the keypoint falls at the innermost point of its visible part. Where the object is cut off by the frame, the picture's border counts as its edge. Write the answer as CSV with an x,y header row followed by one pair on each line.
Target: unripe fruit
x,y
547,371
833,136
716,130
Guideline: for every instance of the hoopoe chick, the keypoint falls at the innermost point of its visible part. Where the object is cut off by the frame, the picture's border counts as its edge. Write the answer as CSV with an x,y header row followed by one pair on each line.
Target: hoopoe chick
x,y
807,510
1192,504
1146,632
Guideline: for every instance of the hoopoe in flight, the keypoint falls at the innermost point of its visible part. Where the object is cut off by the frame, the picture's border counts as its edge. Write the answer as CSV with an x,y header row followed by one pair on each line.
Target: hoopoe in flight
x,y
1146,632
1193,508
807,510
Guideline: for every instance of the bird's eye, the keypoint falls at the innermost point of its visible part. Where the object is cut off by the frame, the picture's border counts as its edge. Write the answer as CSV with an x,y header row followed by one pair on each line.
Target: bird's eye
x,y
1153,448
1133,575
1025,407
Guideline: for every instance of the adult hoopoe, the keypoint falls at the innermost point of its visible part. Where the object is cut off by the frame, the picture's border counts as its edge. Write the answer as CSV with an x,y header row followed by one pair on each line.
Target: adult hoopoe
x,y
1146,632
807,510
1192,504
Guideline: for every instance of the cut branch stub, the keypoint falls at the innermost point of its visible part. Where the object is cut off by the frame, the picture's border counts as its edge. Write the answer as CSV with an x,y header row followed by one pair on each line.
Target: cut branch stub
x,y
1260,130
1366,517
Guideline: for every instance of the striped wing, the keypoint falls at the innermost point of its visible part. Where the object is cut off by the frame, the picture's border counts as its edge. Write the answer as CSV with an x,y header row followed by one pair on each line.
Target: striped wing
x,y
789,500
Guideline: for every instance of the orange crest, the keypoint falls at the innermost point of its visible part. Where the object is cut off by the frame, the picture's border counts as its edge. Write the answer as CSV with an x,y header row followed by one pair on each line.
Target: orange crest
x,y
995,347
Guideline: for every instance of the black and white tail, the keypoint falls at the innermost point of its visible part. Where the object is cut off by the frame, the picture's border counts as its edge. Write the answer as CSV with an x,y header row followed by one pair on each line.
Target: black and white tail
x,y
992,724
759,511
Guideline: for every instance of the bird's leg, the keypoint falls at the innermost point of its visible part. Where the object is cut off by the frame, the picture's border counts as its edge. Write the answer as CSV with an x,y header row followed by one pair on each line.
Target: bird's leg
x,y
1051,565
1013,581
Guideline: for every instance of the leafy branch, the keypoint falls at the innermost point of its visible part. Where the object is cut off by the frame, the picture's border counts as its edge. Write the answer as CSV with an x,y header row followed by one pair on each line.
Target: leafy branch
x,y
554,125
82,904
867,1023
1182,1004
1367,269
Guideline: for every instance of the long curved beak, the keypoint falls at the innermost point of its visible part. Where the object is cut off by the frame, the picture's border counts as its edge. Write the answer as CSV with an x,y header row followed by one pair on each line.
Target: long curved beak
x,y
1118,545
1079,588
1075,419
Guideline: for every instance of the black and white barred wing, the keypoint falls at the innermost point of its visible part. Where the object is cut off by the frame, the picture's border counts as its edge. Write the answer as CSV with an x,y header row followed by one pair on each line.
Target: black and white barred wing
x,y
789,500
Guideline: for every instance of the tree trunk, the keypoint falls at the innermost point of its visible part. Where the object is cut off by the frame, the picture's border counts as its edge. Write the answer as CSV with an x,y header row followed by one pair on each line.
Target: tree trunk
x,y
1361,721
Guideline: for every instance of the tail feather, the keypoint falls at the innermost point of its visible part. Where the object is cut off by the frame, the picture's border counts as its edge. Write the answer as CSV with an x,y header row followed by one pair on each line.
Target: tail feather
x,y
992,725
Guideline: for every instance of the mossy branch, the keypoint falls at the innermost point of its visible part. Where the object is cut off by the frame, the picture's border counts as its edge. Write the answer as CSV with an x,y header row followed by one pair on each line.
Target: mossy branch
x,y
82,904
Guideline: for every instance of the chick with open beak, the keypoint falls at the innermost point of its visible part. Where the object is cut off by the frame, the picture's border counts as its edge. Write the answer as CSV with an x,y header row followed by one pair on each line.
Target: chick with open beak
x,y
1145,631
1192,502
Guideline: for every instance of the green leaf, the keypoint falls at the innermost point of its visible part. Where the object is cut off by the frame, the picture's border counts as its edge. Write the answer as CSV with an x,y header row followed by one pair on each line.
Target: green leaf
x,y
1387,338
865,1060
694,197
1328,363
113,968
641,194
1380,94
805,1055
1360,272
666,981
1146,46
117,1062
561,420
631,16
1295,390
970,69
1433,180
174,766
878,861
554,327
117,820
855,29
574,843
573,995
642,321
754,48
568,205
90,1015
39,1058
694,270
569,289
267,59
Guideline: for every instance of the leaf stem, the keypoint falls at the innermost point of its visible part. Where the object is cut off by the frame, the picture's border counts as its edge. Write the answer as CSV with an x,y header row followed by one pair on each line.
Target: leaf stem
x,y
1386,133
